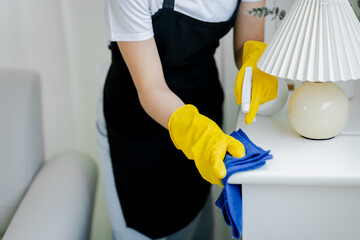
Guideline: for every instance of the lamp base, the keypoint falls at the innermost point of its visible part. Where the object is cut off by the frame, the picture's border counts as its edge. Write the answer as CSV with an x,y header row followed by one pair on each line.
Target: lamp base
x,y
318,139
318,110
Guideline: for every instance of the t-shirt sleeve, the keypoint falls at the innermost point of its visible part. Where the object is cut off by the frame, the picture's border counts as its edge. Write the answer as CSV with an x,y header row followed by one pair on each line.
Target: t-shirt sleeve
x,y
128,20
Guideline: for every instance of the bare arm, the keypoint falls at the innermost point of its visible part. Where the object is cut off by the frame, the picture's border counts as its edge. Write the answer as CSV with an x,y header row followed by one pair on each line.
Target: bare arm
x,y
247,27
144,63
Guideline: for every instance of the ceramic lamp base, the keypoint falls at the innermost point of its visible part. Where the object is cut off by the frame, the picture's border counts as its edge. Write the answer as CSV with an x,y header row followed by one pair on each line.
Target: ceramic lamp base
x,y
318,110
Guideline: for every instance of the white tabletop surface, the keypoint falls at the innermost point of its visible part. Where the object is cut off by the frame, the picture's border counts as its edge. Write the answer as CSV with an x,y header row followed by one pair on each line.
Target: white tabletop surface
x,y
300,161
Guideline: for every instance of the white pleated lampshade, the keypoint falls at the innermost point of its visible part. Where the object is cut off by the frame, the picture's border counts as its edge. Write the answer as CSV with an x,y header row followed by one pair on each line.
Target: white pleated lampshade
x,y
318,41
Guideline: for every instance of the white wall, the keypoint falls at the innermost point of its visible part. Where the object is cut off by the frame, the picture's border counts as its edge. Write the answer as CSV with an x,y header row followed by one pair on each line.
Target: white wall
x,y
63,41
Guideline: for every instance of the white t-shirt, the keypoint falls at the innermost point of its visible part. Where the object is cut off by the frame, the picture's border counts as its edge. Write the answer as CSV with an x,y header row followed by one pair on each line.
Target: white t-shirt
x,y
130,20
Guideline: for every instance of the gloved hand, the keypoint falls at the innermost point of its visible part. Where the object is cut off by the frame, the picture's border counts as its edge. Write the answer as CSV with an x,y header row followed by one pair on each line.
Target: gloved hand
x,y
202,140
264,86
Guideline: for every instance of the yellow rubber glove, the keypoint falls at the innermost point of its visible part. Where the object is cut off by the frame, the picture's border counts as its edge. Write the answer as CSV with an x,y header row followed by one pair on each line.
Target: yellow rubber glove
x,y
264,86
202,140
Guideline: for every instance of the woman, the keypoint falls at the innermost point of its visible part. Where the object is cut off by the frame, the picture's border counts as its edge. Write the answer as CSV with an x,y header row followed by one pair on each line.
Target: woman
x,y
160,86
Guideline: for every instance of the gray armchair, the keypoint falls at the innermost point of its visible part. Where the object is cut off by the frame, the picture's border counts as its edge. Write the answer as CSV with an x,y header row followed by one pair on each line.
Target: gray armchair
x,y
39,199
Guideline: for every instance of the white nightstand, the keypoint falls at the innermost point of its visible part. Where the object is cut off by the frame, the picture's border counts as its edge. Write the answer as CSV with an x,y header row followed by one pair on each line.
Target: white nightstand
x,y
310,190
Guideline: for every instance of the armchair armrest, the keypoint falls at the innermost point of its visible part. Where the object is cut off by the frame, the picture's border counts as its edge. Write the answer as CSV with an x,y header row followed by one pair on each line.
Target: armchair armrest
x,y
59,202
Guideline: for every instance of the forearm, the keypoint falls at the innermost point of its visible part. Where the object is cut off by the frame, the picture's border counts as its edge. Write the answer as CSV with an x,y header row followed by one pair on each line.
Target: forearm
x,y
159,102
143,61
247,27
238,57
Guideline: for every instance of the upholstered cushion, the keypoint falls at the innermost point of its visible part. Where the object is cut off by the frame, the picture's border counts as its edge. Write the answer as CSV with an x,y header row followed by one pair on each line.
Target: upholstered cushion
x,y
21,140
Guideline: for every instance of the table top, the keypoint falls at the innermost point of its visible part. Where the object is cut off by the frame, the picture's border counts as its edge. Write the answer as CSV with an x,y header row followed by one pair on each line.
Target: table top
x,y
300,161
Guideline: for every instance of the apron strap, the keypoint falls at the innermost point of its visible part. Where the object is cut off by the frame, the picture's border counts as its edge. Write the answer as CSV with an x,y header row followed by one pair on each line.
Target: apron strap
x,y
169,4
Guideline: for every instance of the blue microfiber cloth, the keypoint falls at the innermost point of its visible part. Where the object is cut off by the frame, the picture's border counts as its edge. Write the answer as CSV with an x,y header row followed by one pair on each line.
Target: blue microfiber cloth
x,y
229,200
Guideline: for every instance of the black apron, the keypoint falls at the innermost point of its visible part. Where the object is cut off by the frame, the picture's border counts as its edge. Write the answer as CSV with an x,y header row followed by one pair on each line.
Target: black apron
x,y
160,190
